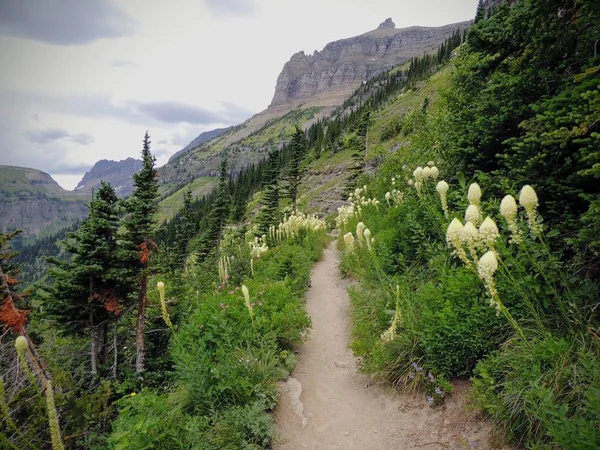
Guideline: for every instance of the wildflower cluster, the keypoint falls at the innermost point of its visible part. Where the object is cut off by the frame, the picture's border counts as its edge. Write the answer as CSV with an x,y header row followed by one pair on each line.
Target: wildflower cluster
x,y
422,174
224,266
345,213
436,393
258,247
292,225
363,236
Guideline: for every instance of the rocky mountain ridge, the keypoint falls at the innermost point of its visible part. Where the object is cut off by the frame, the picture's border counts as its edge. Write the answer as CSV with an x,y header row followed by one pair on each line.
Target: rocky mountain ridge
x,y
117,173
336,71
32,201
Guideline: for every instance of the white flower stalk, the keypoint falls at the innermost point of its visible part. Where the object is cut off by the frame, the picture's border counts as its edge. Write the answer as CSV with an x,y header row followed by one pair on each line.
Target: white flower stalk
x,y
473,215
389,334
163,306
486,268
431,163
360,230
435,173
442,189
247,301
53,425
418,174
474,194
469,236
368,240
426,173
488,232
388,196
411,182
508,209
529,201
349,242
258,247
453,239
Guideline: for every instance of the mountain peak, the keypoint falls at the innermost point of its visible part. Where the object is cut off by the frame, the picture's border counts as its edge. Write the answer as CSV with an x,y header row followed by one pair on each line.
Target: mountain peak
x,y
387,23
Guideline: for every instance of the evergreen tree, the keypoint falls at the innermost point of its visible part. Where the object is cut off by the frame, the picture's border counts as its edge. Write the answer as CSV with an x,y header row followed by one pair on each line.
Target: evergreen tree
x,y
480,13
185,229
268,215
86,293
220,208
137,240
295,172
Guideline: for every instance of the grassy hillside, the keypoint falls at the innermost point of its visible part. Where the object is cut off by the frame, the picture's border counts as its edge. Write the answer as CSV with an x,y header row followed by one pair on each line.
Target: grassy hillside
x,y
169,206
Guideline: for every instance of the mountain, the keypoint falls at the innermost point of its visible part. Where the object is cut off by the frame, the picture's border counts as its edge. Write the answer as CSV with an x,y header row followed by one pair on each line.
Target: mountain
x,y
32,201
309,88
201,139
329,77
117,173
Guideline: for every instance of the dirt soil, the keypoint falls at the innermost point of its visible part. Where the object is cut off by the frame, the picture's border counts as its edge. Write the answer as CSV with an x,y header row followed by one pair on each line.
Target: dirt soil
x,y
328,405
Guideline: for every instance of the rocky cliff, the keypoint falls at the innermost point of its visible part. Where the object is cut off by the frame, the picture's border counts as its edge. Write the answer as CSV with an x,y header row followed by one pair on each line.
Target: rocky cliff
x,y
334,73
32,201
117,173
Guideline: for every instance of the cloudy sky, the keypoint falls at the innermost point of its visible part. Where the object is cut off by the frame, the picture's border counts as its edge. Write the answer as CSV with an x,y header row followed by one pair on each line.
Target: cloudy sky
x,y
82,80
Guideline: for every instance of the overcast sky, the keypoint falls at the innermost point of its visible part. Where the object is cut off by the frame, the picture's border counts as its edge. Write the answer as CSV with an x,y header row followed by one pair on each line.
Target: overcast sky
x,y
82,80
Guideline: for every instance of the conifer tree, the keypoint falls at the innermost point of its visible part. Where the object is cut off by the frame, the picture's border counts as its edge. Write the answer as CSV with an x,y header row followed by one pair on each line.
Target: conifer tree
x,y
184,229
220,208
137,240
268,214
480,13
86,292
294,172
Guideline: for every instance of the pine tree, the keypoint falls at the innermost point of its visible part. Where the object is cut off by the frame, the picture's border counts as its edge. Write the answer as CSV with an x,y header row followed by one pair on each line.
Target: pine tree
x,y
480,13
184,230
137,240
268,215
220,208
295,172
86,293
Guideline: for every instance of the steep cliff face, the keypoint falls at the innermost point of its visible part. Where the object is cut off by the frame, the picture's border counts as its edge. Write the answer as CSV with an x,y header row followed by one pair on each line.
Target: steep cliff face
x,y
343,65
117,173
32,201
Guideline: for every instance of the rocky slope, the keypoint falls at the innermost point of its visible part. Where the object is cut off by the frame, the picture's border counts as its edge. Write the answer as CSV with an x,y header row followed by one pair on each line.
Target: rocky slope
x,y
334,73
201,139
117,173
32,201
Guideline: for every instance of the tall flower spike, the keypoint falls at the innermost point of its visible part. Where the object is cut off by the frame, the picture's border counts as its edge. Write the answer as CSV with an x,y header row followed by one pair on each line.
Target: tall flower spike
x,y
360,229
53,425
473,215
431,163
529,200
388,196
418,174
247,301
469,237
474,194
349,242
454,241
488,232
163,306
367,234
442,188
486,268
435,172
508,209
426,172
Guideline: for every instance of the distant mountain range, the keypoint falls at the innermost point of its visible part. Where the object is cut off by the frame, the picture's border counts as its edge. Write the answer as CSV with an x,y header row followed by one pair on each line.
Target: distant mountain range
x,y
309,87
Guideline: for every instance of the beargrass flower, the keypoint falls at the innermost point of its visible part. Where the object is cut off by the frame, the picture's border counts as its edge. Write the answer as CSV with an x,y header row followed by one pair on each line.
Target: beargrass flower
x,y
486,268
349,242
529,201
53,425
247,301
360,229
508,209
426,172
442,188
435,172
488,232
473,215
431,163
453,239
418,173
163,306
388,196
368,241
411,182
474,194
469,237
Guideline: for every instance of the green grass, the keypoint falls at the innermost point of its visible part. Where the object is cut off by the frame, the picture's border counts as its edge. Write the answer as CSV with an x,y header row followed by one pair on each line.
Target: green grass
x,y
168,207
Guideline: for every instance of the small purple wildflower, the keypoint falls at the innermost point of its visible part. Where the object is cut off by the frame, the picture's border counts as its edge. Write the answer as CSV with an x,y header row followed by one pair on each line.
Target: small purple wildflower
x,y
431,378
430,399
438,391
415,365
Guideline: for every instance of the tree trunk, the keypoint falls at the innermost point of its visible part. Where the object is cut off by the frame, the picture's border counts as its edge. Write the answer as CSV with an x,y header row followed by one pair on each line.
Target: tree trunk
x,y
139,329
115,352
93,343
103,342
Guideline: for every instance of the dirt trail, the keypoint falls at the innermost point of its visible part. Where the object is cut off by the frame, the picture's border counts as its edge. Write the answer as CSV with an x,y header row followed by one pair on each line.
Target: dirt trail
x,y
327,405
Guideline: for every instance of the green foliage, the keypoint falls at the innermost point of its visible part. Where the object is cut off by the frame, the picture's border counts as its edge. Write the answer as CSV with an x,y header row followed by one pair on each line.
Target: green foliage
x,y
294,170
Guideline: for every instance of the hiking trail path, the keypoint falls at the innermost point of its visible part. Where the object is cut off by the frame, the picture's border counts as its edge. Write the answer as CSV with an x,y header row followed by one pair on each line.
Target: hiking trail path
x,y
327,404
